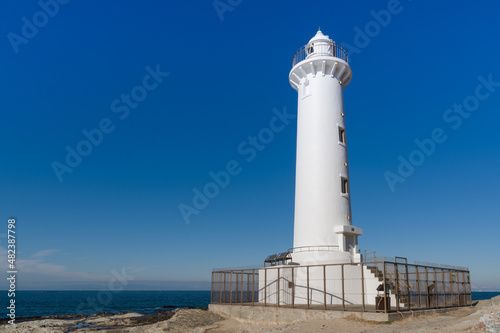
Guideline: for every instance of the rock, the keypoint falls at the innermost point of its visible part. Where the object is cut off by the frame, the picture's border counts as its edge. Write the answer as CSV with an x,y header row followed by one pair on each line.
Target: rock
x,y
492,322
101,314
179,320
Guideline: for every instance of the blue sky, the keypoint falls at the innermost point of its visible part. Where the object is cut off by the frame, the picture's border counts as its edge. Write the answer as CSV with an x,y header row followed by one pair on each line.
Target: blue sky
x,y
207,79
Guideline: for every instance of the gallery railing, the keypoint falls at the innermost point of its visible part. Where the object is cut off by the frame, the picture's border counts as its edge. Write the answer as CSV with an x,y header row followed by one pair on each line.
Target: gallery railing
x,y
320,49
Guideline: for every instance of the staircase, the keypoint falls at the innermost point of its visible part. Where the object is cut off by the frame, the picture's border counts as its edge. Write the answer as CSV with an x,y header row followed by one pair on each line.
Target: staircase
x,y
398,283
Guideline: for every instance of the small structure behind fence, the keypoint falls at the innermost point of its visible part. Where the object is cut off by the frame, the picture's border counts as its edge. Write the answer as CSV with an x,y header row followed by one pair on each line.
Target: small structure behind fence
x,y
377,284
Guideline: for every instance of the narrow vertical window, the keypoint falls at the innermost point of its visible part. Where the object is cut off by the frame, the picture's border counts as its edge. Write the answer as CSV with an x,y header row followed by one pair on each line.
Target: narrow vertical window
x,y
306,90
341,135
344,185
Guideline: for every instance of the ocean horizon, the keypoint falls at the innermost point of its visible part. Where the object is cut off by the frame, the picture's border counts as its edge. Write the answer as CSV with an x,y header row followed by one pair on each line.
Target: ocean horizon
x,y
47,303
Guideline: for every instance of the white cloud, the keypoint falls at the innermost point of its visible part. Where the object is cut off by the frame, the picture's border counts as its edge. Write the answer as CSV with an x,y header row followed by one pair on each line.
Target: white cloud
x,y
57,272
37,268
44,253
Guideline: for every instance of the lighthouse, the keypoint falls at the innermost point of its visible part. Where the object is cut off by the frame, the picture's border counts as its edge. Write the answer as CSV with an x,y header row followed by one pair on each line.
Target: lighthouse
x,y
323,229
325,270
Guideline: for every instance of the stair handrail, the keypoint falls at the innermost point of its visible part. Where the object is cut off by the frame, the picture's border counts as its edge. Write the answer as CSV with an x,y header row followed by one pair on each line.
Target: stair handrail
x,y
379,260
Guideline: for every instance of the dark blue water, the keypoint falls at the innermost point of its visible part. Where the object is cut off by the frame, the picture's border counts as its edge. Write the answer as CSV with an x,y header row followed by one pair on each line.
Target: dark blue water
x,y
45,303
480,295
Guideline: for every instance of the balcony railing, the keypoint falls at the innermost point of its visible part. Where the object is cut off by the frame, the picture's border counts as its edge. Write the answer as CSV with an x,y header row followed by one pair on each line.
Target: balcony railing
x,y
314,248
320,49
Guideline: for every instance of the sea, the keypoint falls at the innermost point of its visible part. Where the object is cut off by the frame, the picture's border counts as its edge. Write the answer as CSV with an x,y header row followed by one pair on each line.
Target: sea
x,y
47,303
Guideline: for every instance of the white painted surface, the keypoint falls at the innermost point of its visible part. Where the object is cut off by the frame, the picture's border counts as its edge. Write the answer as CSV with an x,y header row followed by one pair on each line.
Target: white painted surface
x,y
355,287
320,205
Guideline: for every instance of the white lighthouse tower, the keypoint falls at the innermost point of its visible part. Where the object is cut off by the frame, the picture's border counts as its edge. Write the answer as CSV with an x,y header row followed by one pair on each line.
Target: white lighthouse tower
x,y
324,270
323,230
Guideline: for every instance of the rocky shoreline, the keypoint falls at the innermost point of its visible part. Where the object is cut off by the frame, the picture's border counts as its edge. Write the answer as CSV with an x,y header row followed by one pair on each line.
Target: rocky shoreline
x,y
177,320
484,316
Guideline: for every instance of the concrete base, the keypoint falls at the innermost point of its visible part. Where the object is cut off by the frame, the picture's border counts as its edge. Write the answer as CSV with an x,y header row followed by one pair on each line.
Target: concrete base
x,y
284,315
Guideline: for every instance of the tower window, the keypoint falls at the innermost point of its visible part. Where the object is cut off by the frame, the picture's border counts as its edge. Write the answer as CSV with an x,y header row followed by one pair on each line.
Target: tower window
x,y
344,185
306,89
341,135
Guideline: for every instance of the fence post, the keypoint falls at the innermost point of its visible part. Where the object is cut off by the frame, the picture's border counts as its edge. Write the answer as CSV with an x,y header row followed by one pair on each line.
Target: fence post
x,y
247,298
231,289
385,289
451,287
427,299
265,286
396,274
212,289
464,288
470,288
435,286
408,285
324,285
278,297
444,289
241,297
293,290
220,281
224,289
248,288
253,285
418,284
362,286
343,291
237,285
307,287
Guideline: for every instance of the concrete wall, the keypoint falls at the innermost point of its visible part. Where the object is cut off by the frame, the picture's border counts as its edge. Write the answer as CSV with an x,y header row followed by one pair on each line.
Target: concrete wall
x,y
280,315
284,287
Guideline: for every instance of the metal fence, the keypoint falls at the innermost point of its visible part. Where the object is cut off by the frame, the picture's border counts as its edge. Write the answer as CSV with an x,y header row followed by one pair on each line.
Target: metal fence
x,y
320,49
375,285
